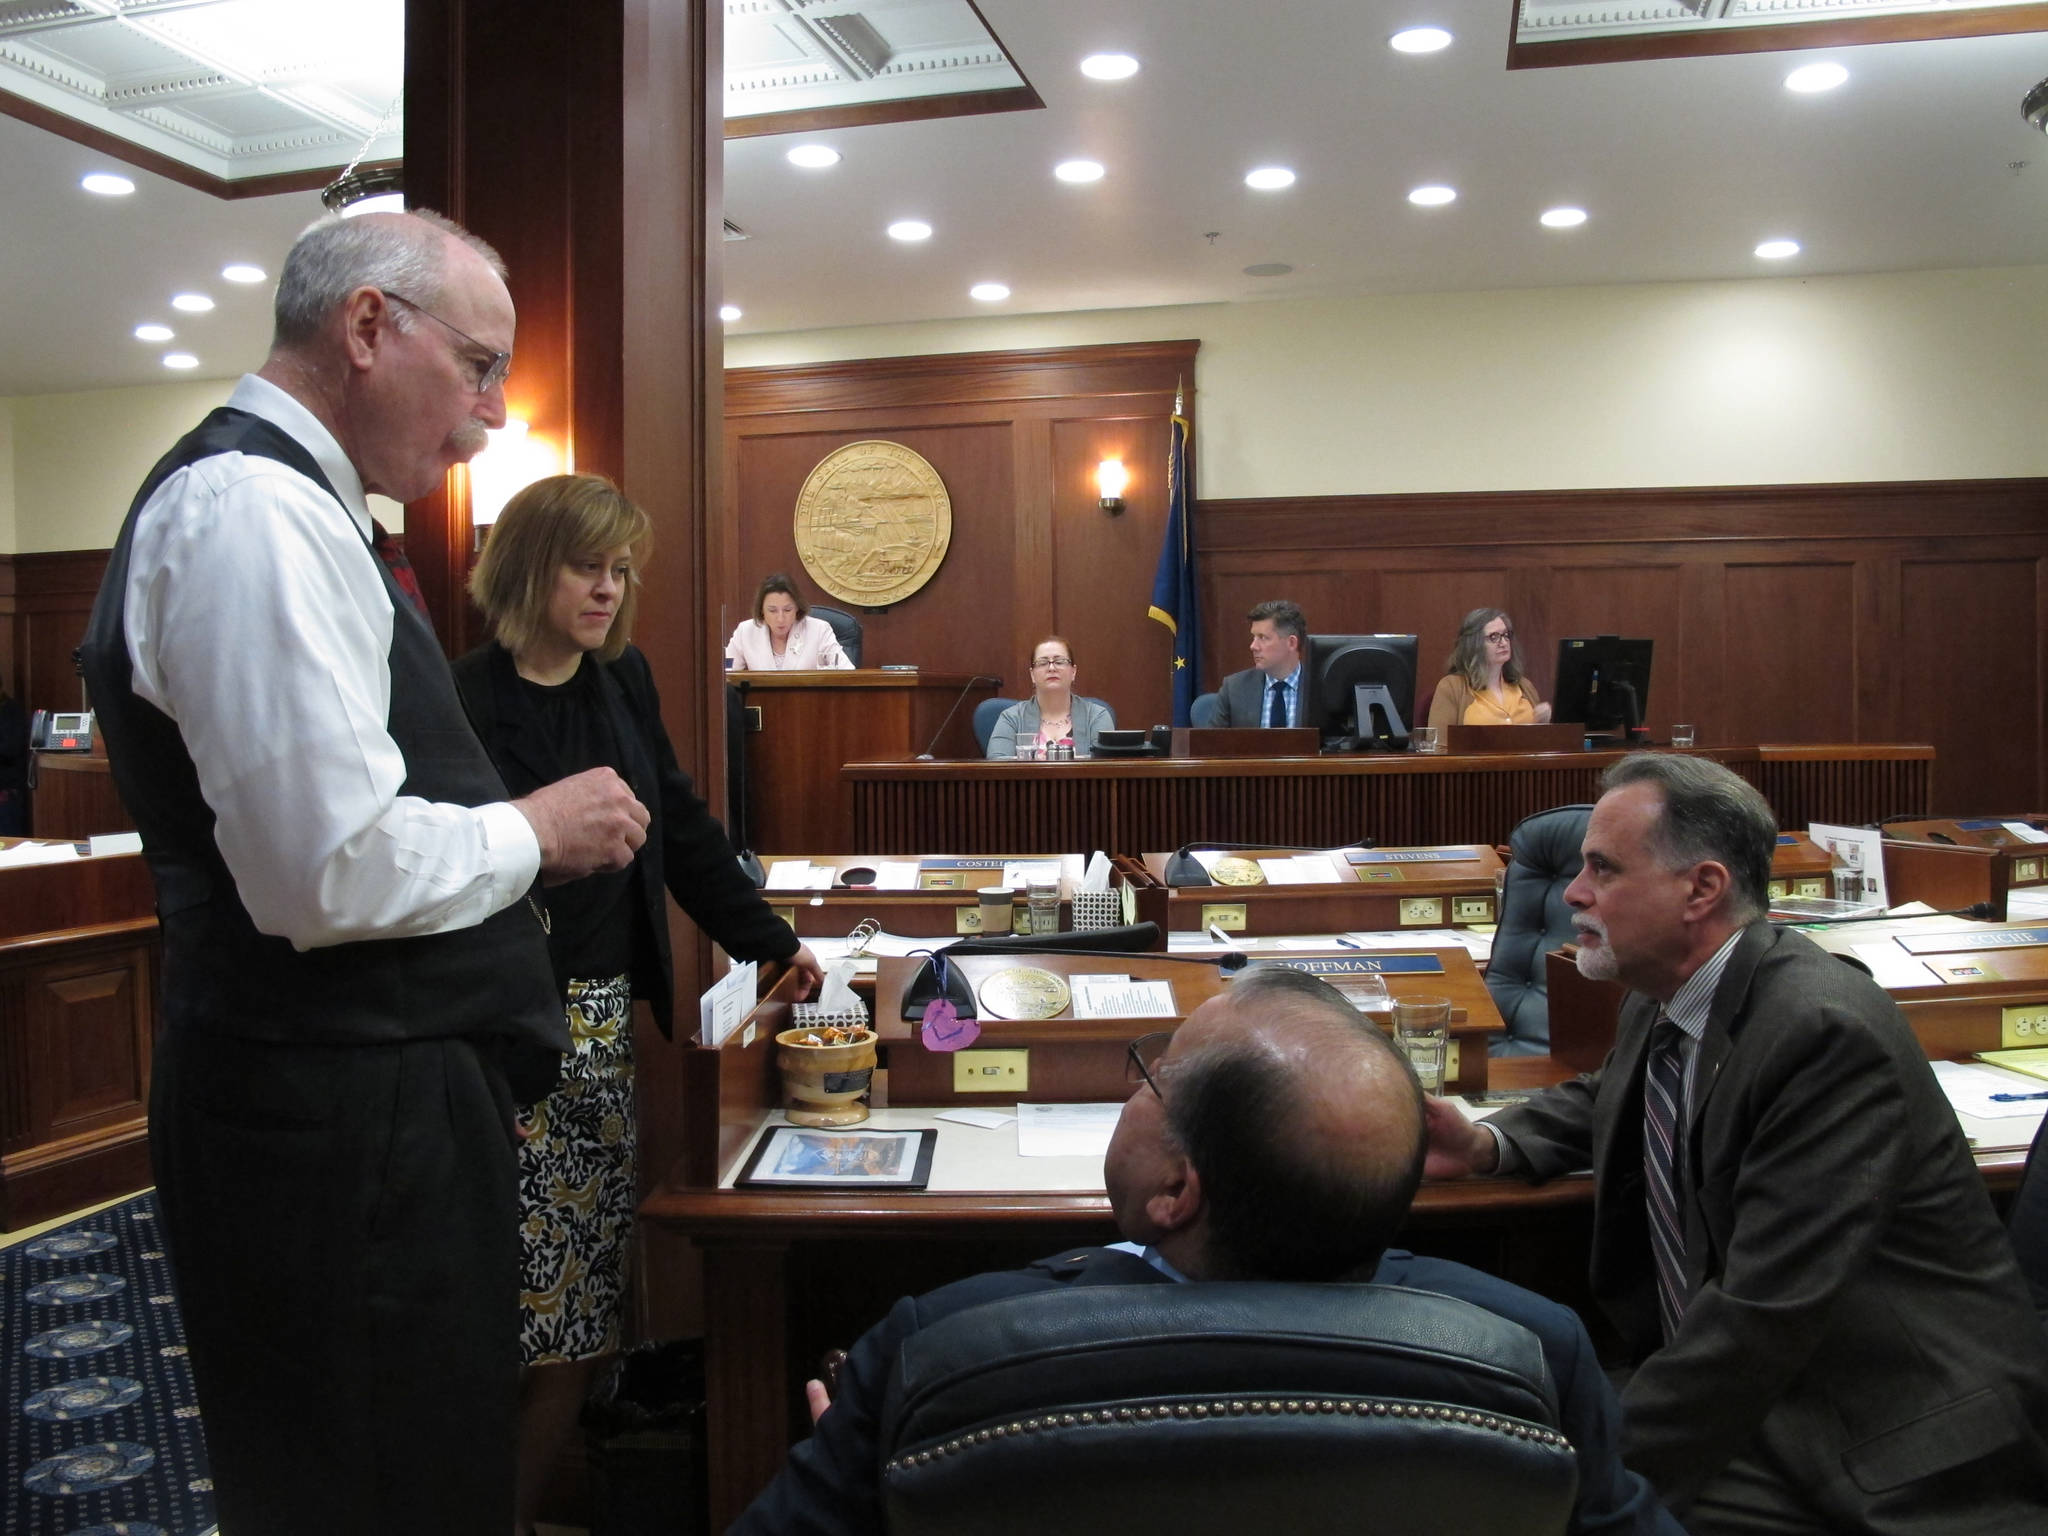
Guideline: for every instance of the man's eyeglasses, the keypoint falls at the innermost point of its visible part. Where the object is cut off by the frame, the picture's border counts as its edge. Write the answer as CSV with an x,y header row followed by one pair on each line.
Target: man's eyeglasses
x,y
1051,661
491,368
1142,1057
1504,636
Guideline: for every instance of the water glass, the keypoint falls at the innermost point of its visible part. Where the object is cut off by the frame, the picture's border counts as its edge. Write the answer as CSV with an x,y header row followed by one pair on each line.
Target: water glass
x,y
1681,735
1422,1030
1044,896
1426,739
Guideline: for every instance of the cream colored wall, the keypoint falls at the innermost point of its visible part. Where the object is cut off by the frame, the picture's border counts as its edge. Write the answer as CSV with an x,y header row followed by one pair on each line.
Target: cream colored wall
x,y
1895,376
77,459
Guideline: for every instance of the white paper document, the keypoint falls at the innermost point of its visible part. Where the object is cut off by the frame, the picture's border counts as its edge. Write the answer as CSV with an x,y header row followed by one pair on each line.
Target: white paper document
x,y
896,875
1065,1130
1860,850
1019,873
1971,1084
1890,966
22,854
728,1001
1300,869
113,842
986,1119
791,875
1120,997
2024,833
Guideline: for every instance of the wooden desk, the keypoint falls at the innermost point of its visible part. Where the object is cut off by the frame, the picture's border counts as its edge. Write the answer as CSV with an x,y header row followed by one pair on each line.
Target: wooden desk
x,y
1951,864
75,796
811,722
1383,889
949,807
943,906
79,956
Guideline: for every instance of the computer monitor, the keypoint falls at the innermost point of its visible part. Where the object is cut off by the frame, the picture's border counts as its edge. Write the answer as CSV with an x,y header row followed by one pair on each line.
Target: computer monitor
x,y
1603,682
1364,689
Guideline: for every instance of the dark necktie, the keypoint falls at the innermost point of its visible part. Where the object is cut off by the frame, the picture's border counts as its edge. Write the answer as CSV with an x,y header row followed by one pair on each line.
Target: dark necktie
x,y
392,553
1276,715
1663,1105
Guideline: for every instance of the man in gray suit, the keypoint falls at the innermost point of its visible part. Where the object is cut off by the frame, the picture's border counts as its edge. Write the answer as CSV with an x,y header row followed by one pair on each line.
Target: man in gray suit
x,y
1786,1220
1274,689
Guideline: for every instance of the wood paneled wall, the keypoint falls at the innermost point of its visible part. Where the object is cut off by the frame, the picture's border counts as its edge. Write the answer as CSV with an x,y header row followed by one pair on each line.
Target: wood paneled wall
x,y
1015,436
47,599
1824,613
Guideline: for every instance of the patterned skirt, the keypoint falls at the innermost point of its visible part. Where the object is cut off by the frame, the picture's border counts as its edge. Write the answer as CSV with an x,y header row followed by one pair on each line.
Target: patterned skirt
x,y
576,1185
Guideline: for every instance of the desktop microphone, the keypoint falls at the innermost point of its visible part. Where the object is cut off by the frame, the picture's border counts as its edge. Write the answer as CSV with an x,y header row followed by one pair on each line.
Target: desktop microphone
x,y
1184,870
926,755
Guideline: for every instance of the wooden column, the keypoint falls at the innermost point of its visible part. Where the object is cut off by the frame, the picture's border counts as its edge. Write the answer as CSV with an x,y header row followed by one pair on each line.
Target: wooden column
x,y
585,142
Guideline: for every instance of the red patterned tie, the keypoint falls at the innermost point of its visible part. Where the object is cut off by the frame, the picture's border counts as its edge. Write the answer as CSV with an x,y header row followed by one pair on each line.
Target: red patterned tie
x,y
392,553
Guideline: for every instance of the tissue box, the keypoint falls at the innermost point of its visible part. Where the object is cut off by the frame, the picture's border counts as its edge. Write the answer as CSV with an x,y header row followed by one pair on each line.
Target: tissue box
x,y
816,1016
1097,909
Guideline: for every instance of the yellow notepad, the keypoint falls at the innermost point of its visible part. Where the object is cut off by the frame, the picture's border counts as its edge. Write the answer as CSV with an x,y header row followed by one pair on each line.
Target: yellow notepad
x,y
2030,1059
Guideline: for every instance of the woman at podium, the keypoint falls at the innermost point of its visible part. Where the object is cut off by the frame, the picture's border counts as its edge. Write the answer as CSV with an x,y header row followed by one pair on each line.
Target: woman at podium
x,y
558,691
782,636
1054,715
1483,682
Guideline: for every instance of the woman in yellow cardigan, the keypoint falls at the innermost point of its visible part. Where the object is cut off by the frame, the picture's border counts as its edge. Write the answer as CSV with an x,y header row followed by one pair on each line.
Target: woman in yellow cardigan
x,y
1483,682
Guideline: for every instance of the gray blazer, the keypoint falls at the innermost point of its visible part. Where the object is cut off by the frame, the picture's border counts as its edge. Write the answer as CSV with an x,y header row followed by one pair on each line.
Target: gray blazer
x,y
1091,719
1853,1304
1242,697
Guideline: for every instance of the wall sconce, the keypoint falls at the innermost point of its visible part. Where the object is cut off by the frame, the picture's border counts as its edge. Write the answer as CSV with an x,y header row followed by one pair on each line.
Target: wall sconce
x,y
1110,479
511,461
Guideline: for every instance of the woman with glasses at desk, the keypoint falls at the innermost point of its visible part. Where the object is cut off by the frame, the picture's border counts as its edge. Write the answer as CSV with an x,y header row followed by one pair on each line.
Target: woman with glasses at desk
x,y
557,691
1483,682
1054,715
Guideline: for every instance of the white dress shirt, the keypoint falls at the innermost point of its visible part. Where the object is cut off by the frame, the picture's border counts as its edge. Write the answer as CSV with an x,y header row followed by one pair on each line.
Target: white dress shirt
x,y
811,647
259,622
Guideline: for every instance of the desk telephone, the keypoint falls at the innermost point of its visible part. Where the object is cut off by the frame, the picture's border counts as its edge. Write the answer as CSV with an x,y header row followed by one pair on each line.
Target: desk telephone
x,y
61,731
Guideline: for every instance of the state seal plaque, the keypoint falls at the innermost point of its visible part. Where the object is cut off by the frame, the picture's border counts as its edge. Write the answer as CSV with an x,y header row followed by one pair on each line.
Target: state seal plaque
x,y
872,523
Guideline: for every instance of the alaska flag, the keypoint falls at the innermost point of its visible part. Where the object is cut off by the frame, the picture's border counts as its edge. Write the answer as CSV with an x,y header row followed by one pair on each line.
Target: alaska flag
x,y
1174,600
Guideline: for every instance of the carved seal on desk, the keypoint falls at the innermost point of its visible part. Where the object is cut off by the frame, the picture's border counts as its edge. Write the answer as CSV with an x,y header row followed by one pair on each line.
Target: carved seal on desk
x,y
1023,992
873,521
1238,872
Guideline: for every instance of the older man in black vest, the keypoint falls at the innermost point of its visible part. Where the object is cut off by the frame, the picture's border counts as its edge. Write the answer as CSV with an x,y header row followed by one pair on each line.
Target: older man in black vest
x,y
355,990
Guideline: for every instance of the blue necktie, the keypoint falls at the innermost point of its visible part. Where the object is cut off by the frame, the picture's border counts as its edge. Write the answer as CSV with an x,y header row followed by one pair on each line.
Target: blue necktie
x,y
1663,1105
1277,714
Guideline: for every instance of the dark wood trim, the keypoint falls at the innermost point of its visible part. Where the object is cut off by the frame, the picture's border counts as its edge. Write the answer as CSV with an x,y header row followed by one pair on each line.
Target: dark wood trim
x,y
167,166
909,109
1705,42
952,378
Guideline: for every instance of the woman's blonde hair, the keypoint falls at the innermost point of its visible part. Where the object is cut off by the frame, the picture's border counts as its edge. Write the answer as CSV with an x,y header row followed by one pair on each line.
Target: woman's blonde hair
x,y
550,524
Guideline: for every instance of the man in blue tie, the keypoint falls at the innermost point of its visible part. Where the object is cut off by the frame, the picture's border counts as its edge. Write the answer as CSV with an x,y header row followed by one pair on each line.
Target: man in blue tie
x,y
1271,691
1787,1227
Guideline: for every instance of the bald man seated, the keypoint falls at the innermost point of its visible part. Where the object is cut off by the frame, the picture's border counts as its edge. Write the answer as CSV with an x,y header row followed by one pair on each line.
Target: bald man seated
x,y
1276,1135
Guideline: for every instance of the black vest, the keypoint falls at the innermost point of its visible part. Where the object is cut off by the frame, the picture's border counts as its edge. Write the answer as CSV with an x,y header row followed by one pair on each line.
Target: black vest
x,y
220,974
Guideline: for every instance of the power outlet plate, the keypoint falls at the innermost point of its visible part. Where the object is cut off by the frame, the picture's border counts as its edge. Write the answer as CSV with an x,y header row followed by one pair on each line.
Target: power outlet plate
x,y
967,919
1471,909
992,1072
2025,1024
2025,871
1815,887
1422,911
1227,915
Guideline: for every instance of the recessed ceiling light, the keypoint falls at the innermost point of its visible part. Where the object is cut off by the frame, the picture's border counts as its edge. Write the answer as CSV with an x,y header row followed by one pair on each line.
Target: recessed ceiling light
x,y
1809,78
728,313
1561,218
107,184
1109,66
1078,170
242,272
989,293
813,157
910,229
1419,40
1269,178
1778,250
191,303
180,360
150,331
1433,196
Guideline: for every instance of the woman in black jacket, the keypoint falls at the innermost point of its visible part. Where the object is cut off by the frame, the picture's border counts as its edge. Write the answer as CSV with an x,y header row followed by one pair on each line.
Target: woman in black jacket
x,y
559,690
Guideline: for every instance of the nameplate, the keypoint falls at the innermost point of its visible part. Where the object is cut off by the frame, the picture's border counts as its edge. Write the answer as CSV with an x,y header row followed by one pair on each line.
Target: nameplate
x,y
1412,855
1963,943
1786,839
1982,824
937,863
1359,965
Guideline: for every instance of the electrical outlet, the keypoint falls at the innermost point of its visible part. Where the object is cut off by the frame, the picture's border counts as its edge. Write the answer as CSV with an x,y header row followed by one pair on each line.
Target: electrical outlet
x,y
1422,911
1471,909
1814,887
1227,915
967,919
787,914
2026,1024
1776,889
2025,871
991,1072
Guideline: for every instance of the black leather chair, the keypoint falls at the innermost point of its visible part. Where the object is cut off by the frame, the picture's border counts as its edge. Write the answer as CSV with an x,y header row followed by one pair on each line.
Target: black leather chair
x,y
1225,1408
1532,920
2027,1222
845,627
986,714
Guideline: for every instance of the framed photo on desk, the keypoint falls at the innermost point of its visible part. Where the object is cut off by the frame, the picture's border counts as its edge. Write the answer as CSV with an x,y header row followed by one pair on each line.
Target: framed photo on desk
x,y
852,1157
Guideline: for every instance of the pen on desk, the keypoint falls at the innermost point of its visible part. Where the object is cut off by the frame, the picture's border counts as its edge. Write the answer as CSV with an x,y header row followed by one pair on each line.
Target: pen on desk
x,y
2016,1098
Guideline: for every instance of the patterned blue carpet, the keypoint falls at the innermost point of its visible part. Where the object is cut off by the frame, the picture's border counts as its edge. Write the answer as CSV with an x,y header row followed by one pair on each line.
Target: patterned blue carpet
x,y
103,1434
